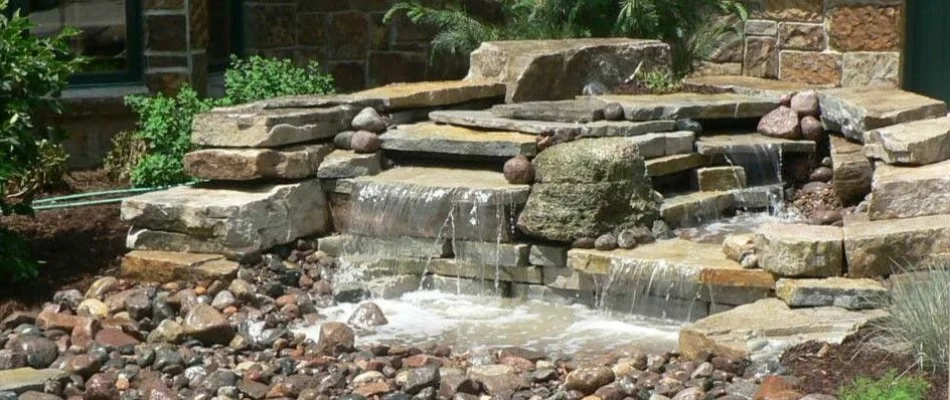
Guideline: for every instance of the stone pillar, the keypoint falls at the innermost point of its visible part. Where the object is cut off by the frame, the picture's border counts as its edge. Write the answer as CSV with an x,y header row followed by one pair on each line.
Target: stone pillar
x,y
176,39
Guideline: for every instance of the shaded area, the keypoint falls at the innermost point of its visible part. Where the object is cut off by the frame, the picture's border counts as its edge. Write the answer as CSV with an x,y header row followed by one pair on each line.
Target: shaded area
x,y
826,370
73,245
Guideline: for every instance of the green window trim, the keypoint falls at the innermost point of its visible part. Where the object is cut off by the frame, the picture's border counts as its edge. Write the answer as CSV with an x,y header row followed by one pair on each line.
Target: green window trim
x,y
134,50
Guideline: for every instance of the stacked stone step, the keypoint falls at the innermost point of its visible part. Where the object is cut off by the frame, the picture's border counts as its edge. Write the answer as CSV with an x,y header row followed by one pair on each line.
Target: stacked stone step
x,y
269,168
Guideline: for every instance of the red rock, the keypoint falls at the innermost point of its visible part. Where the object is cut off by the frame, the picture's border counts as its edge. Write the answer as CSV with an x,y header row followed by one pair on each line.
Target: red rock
x,y
374,389
421,360
519,363
285,300
781,123
16,319
519,171
50,320
83,364
776,388
113,337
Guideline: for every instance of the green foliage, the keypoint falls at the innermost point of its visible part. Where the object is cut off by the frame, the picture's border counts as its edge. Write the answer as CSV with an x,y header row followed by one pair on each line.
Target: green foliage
x,y
889,387
259,78
165,127
16,264
661,81
691,27
47,170
152,155
919,321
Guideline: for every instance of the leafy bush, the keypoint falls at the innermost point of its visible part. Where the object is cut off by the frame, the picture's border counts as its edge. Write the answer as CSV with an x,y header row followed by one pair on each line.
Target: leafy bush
x,y
153,155
259,78
889,387
691,27
919,321
35,70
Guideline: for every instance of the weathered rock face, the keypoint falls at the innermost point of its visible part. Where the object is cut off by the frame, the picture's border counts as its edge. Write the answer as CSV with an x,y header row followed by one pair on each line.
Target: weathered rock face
x,y
255,125
851,170
341,164
237,222
852,294
781,123
293,162
854,111
448,140
567,130
904,192
879,248
690,105
792,250
721,178
205,323
914,143
588,188
559,69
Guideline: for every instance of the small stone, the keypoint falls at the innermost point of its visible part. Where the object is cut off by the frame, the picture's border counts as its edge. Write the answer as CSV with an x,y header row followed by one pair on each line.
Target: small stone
x,y
421,378
692,393
661,230
101,387
335,338
365,142
100,287
812,129
343,140
627,239
583,243
223,299
367,315
821,174
206,324
40,352
613,112
167,331
690,125
519,171
93,307
805,103
369,119
606,242
786,99
826,162
783,122
115,338
588,380
750,261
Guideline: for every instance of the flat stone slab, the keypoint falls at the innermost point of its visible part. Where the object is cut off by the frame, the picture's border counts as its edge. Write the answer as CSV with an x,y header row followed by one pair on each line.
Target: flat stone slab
x,y
880,248
676,163
397,247
452,140
797,250
436,202
851,294
341,164
373,267
559,69
580,110
294,162
904,192
721,178
854,111
758,197
695,208
253,125
676,268
486,120
764,329
914,143
400,96
236,220
748,85
490,253
26,379
167,266
852,171
691,105
750,143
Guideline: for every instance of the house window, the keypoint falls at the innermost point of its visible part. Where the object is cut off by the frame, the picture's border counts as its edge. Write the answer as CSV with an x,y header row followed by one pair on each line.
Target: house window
x,y
109,35
224,33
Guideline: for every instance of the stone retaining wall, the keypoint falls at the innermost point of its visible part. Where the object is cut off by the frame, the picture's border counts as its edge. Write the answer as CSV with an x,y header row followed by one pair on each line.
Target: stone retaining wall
x,y
819,42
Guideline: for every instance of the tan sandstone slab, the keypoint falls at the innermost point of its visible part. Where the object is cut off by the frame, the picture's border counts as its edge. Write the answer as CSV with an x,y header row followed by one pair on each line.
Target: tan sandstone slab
x,y
915,143
718,144
767,327
721,178
167,266
797,250
402,96
559,69
486,120
854,111
674,163
451,140
26,379
691,105
254,125
880,248
232,220
769,88
294,162
852,171
852,294
905,192
695,208
342,164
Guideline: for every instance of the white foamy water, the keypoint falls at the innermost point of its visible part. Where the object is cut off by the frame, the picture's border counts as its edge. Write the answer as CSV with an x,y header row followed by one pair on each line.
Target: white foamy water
x,y
474,322
716,232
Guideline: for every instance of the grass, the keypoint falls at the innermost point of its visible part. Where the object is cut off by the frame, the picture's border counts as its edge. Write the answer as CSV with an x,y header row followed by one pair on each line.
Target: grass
x,y
889,387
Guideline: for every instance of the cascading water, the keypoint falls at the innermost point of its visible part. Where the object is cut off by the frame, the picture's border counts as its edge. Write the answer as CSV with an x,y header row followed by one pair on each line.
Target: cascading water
x,y
655,289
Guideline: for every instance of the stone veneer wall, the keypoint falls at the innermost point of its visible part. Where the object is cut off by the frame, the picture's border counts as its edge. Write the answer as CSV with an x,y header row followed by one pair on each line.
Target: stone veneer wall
x,y
349,38
821,42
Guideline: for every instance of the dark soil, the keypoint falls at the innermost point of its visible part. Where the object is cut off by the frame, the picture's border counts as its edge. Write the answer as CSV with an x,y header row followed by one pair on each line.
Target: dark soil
x,y
73,245
826,371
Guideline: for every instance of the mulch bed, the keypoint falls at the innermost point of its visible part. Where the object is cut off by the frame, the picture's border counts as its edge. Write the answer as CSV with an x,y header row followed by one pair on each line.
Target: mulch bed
x,y
73,245
825,371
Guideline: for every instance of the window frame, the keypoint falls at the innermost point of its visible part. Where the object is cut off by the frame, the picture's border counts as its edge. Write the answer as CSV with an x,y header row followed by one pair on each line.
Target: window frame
x,y
134,43
235,33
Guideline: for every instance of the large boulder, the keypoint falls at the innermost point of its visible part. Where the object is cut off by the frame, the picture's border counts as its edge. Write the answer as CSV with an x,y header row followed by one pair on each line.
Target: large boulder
x,y
226,220
588,188
257,125
293,162
559,69
906,192
854,111
876,248
793,250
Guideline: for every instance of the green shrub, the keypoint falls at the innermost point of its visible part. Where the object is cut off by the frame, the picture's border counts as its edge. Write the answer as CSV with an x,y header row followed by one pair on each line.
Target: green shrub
x,y
919,321
153,154
259,78
691,27
889,387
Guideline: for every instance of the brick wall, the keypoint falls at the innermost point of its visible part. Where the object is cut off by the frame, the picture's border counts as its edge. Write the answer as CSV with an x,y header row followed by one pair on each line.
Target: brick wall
x,y
348,38
837,42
